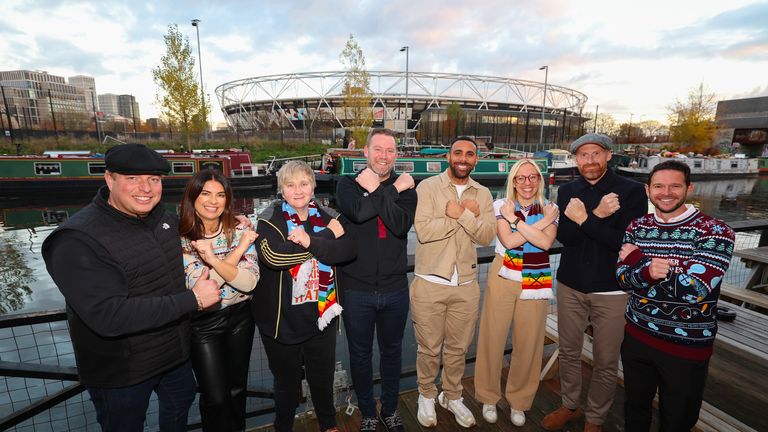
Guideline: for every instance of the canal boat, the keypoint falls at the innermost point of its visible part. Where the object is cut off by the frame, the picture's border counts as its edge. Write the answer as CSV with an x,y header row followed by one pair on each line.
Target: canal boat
x,y
762,165
76,174
490,171
702,167
561,164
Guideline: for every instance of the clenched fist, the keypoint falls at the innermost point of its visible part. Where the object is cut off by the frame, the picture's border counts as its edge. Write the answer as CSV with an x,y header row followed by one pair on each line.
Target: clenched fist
x,y
472,206
368,180
453,209
576,211
404,182
206,290
249,236
626,249
609,204
335,226
551,212
659,268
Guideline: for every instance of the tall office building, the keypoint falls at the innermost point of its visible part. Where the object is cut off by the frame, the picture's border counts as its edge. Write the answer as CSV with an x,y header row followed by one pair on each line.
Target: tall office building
x,y
128,107
108,104
31,97
88,84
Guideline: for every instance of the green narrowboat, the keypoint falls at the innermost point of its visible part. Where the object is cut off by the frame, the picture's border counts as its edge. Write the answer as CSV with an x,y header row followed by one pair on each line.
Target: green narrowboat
x,y
488,171
22,176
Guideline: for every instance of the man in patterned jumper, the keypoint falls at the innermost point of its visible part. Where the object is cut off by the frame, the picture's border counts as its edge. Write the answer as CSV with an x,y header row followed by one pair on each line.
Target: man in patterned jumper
x,y
672,261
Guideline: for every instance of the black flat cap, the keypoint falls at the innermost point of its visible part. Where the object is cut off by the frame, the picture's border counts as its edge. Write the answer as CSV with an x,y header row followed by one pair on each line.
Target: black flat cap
x,y
135,159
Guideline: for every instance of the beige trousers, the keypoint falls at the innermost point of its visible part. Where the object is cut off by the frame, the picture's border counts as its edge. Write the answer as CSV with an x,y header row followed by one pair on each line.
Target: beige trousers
x,y
502,308
444,319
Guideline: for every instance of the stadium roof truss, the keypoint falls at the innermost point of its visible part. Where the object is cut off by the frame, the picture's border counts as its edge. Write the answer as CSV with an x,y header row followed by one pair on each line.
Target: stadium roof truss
x,y
276,96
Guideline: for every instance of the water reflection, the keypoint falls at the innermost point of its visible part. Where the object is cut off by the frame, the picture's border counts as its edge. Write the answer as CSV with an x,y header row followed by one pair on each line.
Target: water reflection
x,y
15,275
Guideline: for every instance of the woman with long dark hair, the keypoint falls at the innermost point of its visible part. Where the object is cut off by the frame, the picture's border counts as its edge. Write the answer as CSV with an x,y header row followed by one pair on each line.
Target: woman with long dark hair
x,y
217,247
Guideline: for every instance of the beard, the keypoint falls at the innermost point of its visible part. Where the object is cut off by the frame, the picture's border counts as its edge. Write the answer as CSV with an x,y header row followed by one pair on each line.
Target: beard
x,y
592,171
459,173
381,172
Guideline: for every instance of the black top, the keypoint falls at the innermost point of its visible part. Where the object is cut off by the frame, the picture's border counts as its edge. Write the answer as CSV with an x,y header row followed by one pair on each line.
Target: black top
x,y
590,251
123,282
379,221
274,312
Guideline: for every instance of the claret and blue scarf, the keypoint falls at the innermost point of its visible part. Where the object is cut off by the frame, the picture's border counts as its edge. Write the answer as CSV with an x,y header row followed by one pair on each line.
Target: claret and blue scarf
x,y
312,273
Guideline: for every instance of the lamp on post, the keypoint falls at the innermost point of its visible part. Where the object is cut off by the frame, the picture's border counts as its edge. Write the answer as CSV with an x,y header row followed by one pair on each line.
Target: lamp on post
x,y
629,130
405,129
196,25
545,68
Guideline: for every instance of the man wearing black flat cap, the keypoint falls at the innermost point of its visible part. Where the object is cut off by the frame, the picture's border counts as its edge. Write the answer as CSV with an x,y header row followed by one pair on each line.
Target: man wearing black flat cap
x,y
118,263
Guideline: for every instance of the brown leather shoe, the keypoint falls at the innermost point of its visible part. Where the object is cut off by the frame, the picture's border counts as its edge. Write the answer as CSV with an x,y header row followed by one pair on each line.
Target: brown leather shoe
x,y
559,417
589,427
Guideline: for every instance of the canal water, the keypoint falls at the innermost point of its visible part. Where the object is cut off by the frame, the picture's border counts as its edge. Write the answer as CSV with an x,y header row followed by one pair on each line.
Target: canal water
x,y
26,287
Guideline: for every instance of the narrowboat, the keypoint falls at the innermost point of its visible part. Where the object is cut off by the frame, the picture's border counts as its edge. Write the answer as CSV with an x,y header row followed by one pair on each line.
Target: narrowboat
x,y
490,171
74,174
702,167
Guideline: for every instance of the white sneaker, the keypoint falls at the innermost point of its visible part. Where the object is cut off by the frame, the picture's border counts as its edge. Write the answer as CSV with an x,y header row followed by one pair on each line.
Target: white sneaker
x,y
426,414
489,413
463,415
518,417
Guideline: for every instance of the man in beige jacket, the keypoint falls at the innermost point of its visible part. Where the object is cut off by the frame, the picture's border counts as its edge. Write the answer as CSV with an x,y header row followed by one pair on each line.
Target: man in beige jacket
x,y
454,214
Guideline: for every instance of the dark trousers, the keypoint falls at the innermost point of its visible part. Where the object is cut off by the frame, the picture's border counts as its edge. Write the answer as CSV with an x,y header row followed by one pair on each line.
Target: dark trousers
x,y
124,409
318,356
221,352
386,314
680,383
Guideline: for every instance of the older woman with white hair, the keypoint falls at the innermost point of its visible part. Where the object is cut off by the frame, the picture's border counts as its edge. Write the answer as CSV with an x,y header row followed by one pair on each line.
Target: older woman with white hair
x,y
518,289
295,303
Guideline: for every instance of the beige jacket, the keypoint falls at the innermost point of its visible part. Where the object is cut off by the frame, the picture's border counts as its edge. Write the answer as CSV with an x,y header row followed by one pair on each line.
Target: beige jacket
x,y
445,242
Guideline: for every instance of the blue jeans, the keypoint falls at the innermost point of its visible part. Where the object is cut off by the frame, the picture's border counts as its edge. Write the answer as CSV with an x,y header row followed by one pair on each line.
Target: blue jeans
x,y
124,409
386,314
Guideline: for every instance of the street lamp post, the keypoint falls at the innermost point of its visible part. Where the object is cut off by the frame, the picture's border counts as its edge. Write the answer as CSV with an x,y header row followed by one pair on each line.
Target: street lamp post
x,y
10,125
196,25
95,119
545,68
629,130
405,129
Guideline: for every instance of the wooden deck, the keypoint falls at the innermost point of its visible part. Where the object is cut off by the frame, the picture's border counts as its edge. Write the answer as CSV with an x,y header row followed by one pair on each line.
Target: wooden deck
x,y
547,399
736,389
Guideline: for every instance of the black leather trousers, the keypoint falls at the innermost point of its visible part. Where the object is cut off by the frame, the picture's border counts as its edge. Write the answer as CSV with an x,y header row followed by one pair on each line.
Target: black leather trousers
x,y
221,352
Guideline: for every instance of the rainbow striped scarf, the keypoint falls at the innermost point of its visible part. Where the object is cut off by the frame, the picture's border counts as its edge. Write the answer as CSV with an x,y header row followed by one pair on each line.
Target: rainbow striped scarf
x,y
312,272
529,261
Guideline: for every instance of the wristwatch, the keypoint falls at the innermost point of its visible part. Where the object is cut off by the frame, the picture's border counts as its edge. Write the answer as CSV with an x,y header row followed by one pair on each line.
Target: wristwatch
x,y
513,224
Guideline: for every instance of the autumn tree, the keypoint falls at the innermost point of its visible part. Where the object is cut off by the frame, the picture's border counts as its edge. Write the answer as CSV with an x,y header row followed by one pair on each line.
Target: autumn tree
x,y
692,120
179,93
606,124
357,100
454,122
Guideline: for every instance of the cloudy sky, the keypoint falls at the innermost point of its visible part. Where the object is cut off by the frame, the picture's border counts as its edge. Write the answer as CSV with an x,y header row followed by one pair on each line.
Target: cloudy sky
x,y
626,56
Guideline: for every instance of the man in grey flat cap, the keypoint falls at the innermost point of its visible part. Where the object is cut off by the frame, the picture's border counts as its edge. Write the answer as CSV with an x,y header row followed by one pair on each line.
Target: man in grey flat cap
x,y
597,207
118,263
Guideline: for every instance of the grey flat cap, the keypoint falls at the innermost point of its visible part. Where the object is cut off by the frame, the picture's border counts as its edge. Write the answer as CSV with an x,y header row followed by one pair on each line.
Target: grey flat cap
x,y
603,141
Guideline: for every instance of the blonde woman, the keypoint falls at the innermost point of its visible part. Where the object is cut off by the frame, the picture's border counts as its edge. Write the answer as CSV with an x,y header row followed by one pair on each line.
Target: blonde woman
x,y
518,289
